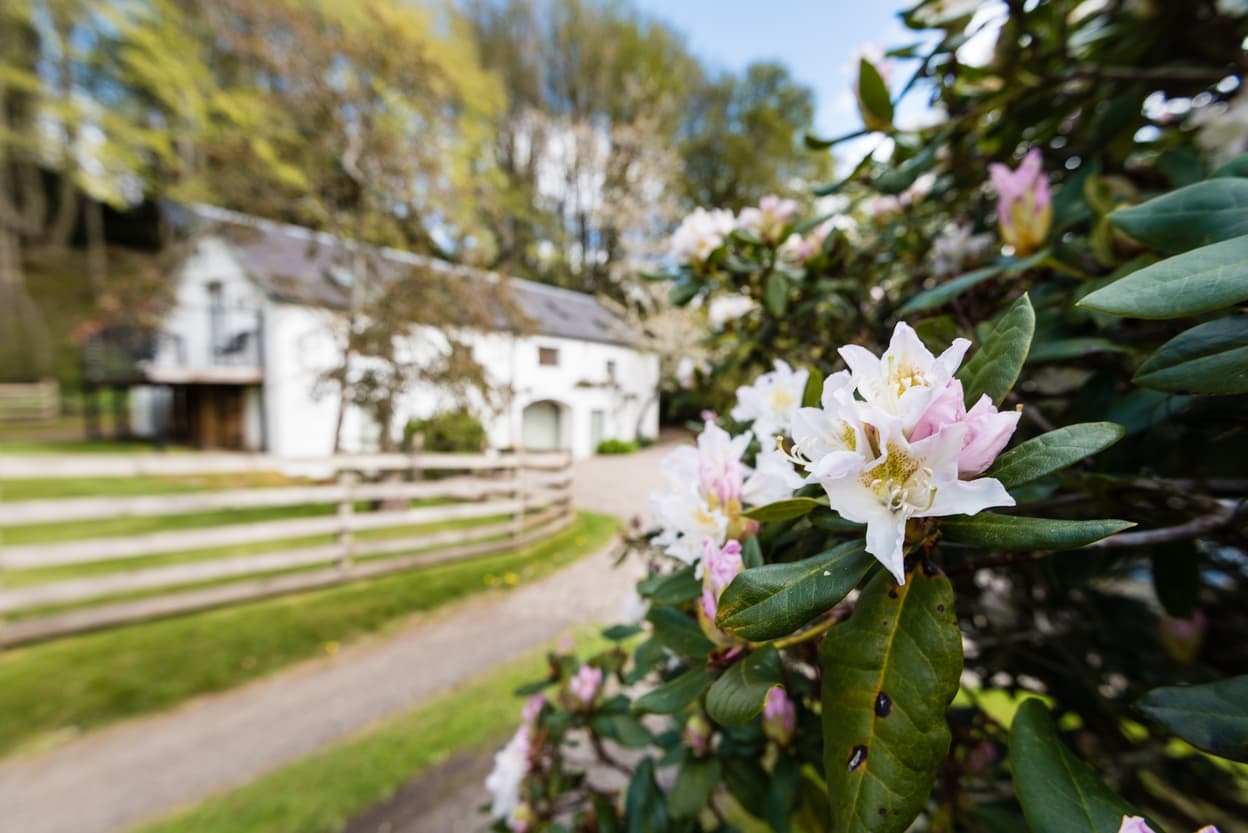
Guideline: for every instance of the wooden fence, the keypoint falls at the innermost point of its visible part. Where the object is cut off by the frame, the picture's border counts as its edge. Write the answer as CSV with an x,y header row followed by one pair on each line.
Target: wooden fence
x,y
30,401
477,505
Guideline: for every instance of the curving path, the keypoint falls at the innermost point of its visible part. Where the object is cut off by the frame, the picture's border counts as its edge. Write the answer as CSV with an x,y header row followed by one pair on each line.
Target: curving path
x,y
110,780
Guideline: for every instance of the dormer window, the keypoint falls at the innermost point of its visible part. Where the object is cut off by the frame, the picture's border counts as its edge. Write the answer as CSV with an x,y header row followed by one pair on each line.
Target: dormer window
x,y
611,369
548,356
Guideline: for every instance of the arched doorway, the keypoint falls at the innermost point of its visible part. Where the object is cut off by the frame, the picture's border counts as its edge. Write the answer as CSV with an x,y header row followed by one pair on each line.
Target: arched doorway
x,y
542,426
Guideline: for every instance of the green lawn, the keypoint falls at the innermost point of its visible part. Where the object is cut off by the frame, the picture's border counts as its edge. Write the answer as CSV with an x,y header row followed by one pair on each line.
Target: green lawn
x,y
90,680
322,792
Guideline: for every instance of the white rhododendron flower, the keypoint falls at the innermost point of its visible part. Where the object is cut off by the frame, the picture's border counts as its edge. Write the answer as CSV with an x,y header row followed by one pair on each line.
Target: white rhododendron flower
x,y
1223,129
709,486
769,220
700,234
893,440
511,765
771,401
905,380
1135,824
725,308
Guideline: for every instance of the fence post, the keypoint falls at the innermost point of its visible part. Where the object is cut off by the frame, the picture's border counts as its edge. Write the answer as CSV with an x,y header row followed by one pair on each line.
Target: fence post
x,y
346,507
521,495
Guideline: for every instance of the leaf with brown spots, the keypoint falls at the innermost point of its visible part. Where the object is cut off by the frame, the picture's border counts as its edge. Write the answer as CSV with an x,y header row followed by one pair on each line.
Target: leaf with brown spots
x,y
889,674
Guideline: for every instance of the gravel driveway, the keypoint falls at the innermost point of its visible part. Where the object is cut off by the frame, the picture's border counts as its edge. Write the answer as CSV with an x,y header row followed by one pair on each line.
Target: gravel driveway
x,y
144,768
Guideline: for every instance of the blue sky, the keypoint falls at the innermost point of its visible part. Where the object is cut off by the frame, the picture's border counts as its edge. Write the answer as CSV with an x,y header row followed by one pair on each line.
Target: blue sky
x,y
815,38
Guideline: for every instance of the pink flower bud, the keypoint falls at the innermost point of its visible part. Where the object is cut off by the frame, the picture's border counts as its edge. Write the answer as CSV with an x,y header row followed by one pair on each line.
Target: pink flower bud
x,y
1024,205
533,707
987,429
779,716
1182,638
697,735
586,683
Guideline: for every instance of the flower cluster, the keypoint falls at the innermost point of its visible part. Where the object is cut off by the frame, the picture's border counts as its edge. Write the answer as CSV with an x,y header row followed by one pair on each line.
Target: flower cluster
x,y
1135,824
892,440
1024,206
709,486
703,232
720,566
772,400
511,767
700,234
955,248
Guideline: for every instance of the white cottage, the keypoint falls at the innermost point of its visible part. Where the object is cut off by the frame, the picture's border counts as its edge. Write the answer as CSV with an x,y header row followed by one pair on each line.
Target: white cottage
x,y
237,360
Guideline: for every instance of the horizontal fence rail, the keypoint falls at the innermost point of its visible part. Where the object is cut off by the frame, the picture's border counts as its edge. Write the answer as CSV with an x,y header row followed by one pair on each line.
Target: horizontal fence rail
x,y
478,504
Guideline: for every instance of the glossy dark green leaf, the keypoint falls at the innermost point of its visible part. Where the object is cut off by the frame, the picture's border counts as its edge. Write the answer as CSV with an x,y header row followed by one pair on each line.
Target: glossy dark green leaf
x,y
1212,716
737,696
813,393
683,291
776,295
1203,280
1018,533
678,632
1141,409
889,675
747,781
784,510
676,693
1053,451
1210,358
674,588
1059,792
1071,348
618,633
898,179
995,366
950,289
1236,167
624,729
751,553
644,807
775,600
1197,215
782,794
695,781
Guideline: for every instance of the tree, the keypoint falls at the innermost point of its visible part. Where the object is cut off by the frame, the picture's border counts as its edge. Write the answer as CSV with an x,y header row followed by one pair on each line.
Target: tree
x,y
742,138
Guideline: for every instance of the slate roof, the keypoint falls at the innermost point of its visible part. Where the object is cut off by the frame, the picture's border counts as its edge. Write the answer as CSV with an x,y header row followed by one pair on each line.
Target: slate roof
x,y
298,265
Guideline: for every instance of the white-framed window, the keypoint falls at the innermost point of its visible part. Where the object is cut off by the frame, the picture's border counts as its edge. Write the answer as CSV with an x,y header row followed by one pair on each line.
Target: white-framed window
x,y
548,356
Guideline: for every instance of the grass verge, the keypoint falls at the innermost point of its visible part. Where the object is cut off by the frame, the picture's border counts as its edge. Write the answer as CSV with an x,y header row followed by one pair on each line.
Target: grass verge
x,y
322,792
87,681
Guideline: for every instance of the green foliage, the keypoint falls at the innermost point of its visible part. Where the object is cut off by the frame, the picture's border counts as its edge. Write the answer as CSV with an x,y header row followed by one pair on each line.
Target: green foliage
x,y
770,601
995,366
738,695
1211,717
889,674
448,431
1048,453
1197,215
617,447
1059,792
1207,279
1017,533
1210,358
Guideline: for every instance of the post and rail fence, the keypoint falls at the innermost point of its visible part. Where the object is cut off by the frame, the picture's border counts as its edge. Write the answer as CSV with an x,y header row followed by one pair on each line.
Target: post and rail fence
x,y
478,504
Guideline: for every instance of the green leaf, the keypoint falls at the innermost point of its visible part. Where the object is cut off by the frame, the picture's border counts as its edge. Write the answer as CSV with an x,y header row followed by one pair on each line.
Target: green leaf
x,y
1053,451
776,295
1071,348
674,588
695,781
676,693
783,510
1210,358
1059,792
751,553
996,364
644,807
683,291
782,794
873,97
618,633
678,632
1197,215
889,675
1018,533
1142,409
1212,717
775,600
737,696
747,781
895,180
1202,280
941,293
813,393
624,729
1236,167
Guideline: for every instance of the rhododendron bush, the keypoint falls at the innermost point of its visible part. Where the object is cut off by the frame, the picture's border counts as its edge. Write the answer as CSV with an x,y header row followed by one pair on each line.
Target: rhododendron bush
x,y
960,543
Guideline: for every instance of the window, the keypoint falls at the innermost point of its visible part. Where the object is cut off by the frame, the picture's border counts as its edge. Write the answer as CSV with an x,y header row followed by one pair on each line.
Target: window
x,y
548,356
611,369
